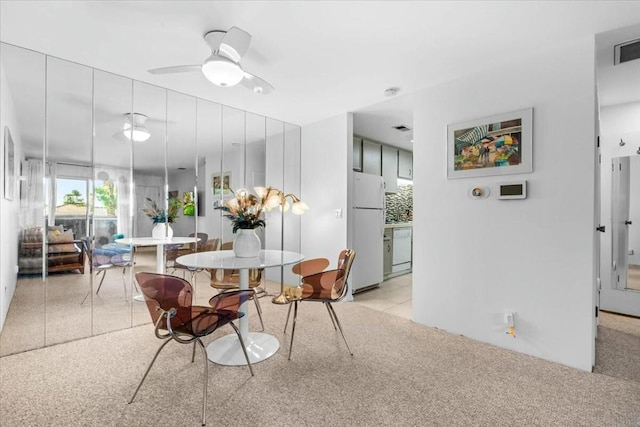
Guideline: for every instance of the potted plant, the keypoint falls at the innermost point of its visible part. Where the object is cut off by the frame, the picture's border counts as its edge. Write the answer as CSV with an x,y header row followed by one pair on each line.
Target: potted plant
x,y
246,210
160,218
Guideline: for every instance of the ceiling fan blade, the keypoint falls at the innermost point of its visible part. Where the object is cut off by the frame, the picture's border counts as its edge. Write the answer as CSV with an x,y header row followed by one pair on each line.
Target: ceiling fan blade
x,y
175,69
234,43
256,84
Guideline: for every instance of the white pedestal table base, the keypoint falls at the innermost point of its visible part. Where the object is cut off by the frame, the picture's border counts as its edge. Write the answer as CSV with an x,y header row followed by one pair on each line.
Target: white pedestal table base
x,y
227,350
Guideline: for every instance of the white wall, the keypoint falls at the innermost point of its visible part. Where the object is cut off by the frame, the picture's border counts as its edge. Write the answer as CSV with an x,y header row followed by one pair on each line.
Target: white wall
x,y
326,168
475,258
9,231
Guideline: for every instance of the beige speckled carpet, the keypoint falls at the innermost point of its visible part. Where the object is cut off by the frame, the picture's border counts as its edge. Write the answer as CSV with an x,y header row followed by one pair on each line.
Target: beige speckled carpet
x,y
401,374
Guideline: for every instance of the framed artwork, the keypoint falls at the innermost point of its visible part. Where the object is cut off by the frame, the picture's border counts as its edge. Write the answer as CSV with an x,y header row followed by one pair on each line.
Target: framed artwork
x,y
495,145
188,204
220,183
9,165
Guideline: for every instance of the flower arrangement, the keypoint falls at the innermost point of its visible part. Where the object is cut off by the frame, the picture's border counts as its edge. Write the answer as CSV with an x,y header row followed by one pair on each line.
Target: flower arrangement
x,y
159,215
245,209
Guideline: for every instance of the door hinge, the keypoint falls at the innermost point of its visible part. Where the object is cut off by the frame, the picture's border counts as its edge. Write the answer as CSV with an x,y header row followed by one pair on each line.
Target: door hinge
x,y
601,228
596,311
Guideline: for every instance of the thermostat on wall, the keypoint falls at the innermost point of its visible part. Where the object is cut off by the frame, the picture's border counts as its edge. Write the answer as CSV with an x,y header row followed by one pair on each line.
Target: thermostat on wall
x,y
512,190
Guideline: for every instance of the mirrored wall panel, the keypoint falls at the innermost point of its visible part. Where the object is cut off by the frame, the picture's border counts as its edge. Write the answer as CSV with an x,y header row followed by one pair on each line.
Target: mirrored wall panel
x,y
23,90
108,167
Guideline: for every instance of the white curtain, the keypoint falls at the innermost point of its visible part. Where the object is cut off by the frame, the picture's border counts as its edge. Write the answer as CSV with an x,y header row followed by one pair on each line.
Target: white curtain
x,y
120,177
51,185
32,193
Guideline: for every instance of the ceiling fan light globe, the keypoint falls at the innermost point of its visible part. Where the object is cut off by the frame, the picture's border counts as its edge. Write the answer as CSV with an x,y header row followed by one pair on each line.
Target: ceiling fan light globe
x,y
222,71
138,134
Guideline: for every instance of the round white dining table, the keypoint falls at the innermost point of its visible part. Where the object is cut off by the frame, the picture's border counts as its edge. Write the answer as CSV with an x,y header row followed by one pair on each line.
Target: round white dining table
x,y
259,345
159,244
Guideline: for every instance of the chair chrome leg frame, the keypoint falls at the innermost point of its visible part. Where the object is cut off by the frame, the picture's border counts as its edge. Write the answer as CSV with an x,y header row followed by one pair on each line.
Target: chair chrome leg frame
x,y
196,340
293,324
332,315
104,273
335,317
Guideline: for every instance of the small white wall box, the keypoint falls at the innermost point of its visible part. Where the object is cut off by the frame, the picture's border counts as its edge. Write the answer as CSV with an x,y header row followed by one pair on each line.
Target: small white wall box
x,y
512,190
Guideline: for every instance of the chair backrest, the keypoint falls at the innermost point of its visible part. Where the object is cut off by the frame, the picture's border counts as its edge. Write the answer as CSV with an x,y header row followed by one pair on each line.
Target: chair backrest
x,y
197,246
172,252
166,292
209,245
228,278
345,259
310,266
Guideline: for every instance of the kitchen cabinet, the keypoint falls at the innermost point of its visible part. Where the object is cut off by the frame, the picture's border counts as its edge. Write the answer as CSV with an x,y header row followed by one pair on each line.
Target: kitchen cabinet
x,y
357,154
371,157
390,169
405,164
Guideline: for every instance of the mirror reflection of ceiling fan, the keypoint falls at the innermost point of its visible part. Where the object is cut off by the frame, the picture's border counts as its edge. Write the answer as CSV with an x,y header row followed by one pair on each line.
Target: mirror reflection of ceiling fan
x,y
223,67
134,128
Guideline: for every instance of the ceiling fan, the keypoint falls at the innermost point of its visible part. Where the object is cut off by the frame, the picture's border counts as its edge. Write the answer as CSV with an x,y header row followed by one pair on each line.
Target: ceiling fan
x,y
223,68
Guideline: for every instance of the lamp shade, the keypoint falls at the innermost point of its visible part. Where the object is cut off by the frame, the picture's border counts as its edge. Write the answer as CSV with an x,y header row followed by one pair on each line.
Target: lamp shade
x,y
222,71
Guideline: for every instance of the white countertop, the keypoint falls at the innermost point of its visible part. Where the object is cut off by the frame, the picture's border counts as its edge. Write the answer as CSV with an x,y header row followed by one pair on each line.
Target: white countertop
x,y
399,225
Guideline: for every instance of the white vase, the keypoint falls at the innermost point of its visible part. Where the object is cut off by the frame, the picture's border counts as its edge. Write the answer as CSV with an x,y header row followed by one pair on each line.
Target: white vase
x,y
159,231
246,244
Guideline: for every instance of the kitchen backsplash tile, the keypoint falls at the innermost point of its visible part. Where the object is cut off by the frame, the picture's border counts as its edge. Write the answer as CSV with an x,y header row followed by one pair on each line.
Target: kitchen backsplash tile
x,y
399,206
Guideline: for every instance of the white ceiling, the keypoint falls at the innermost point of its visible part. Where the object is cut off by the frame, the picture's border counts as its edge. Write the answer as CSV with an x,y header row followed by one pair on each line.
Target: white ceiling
x,y
323,57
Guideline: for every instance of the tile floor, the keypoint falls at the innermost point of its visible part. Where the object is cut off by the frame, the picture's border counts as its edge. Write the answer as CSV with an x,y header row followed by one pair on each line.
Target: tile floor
x,y
392,296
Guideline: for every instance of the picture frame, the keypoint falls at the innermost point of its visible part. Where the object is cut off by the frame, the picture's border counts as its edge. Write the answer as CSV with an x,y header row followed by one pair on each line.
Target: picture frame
x,y
9,165
221,183
188,203
495,145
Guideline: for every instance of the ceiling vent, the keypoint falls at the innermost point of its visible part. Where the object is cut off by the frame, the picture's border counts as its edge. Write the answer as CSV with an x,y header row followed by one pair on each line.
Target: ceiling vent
x,y
626,52
402,128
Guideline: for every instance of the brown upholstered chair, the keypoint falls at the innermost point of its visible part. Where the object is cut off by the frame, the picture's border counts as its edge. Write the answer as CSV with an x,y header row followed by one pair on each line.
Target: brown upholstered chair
x,y
326,287
169,300
225,280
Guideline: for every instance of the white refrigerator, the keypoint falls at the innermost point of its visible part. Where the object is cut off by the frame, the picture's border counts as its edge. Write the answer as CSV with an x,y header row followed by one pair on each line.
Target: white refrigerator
x,y
368,230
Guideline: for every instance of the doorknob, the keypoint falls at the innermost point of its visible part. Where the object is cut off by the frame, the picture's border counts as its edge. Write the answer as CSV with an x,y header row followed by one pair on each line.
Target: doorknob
x,y
600,228
627,222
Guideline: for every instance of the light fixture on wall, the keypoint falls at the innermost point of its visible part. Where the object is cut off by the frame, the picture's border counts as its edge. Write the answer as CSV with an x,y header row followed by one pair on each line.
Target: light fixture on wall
x,y
134,128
